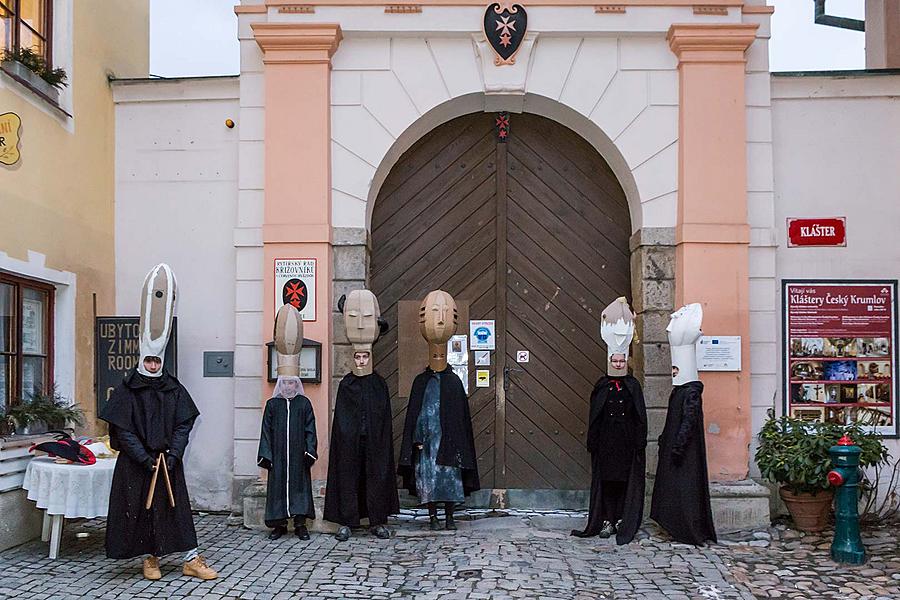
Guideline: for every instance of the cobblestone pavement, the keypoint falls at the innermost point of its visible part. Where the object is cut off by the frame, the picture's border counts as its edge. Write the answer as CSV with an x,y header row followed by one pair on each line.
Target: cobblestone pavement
x,y
521,555
783,563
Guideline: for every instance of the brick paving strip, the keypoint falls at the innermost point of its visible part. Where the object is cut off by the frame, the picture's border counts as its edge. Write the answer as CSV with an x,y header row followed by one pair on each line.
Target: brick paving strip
x,y
526,554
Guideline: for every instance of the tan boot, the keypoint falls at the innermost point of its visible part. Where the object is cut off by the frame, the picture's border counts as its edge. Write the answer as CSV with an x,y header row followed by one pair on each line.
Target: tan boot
x,y
199,569
151,568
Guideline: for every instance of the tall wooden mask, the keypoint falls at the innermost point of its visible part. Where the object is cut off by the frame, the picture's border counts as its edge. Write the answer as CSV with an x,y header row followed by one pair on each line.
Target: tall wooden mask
x,y
288,340
438,317
361,320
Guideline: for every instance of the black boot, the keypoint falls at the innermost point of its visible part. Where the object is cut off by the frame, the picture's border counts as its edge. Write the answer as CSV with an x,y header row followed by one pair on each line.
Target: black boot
x,y
434,524
300,529
381,532
607,530
277,532
448,514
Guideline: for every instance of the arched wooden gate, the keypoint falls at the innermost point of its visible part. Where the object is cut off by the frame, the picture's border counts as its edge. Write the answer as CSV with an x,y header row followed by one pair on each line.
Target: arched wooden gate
x,y
532,232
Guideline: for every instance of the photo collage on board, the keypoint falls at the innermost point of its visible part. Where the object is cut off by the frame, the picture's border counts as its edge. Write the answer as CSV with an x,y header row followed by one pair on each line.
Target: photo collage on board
x,y
841,380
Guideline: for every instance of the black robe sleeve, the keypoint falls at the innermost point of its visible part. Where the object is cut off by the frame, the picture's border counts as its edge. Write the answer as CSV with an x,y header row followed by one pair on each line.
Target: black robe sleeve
x,y
264,453
311,440
129,443
689,420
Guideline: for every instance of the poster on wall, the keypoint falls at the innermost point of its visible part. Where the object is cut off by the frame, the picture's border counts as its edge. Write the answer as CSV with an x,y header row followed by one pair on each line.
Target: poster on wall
x,y
840,352
295,283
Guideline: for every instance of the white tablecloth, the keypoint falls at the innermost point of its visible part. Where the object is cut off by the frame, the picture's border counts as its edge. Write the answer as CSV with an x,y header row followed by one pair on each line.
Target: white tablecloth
x,y
70,490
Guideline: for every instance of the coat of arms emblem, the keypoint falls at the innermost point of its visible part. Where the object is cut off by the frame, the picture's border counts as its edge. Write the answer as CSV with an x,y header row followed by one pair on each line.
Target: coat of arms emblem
x,y
505,24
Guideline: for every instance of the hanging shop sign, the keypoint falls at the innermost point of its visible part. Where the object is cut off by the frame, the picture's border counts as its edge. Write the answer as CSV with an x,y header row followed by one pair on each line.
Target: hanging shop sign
x,y
117,348
830,231
10,127
505,25
295,283
840,352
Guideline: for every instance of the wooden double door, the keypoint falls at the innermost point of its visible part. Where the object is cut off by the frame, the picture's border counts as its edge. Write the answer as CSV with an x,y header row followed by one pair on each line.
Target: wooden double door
x,y
532,232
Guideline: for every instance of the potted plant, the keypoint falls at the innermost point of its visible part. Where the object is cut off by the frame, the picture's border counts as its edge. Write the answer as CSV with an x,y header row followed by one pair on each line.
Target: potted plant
x,y
44,411
794,454
27,66
6,426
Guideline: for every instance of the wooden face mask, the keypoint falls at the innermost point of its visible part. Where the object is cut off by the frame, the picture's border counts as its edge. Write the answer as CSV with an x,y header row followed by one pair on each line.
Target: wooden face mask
x,y
438,317
288,340
361,314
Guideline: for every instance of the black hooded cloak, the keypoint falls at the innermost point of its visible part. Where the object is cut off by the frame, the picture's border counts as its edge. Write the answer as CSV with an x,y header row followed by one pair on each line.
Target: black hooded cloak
x,y
147,416
633,512
457,447
287,448
361,478
681,491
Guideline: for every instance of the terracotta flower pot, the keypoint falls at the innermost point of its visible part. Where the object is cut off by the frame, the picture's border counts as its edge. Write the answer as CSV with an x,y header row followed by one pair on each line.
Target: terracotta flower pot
x,y
810,512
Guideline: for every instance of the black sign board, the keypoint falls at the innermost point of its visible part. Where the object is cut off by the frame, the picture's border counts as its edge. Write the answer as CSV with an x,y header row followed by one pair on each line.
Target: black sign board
x,y
116,351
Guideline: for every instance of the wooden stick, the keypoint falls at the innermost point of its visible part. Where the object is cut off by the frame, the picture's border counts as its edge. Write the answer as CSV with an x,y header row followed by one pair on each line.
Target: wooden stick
x,y
165,470
149,501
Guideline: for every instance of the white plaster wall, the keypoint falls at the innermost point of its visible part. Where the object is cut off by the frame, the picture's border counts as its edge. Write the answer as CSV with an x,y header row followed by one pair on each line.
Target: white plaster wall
x,y
248,247
761,218
389,91
836,148
176,202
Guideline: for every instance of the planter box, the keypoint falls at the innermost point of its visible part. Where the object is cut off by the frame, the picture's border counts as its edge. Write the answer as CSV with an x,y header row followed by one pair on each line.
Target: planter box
x,y
31,80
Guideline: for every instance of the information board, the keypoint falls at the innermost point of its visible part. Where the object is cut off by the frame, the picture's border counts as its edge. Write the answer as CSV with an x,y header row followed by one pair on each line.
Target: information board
x,y
840,352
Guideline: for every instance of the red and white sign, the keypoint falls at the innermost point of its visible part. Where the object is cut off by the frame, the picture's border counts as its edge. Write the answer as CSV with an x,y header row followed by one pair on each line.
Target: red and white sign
x,y
817,232
295,283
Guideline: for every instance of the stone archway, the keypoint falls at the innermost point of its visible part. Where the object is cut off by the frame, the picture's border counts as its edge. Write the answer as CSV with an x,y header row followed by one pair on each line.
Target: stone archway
x,y
533,233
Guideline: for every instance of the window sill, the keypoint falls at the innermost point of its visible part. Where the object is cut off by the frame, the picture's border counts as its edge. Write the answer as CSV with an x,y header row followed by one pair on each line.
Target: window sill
x,y
37,86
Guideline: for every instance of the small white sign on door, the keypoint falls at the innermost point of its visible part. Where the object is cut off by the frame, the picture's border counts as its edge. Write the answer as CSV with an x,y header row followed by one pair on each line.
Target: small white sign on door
x,y
522,356
482,358
481,335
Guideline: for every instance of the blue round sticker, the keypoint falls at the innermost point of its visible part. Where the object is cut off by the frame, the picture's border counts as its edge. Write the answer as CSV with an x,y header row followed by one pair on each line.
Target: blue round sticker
x,y
482,333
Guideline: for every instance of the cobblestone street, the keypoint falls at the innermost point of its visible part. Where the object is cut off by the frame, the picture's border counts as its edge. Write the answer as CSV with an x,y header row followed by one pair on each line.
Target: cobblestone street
x,y
523,555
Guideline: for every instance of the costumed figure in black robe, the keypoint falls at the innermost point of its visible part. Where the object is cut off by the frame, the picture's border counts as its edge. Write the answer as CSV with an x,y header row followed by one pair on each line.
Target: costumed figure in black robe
x,y
287,438
617,436
361,477
681,490
150,416
437,455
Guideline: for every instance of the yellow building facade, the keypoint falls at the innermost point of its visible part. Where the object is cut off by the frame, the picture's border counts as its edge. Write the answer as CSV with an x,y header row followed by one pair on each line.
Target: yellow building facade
x,y
57,261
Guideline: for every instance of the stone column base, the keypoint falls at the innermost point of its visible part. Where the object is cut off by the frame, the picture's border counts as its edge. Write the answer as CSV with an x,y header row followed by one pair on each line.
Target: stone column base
x,y
739,505
254,509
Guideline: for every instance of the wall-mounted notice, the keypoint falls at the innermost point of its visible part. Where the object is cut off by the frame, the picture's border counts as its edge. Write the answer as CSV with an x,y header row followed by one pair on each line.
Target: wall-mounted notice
x,y
481,335
840,352
295,283
719,353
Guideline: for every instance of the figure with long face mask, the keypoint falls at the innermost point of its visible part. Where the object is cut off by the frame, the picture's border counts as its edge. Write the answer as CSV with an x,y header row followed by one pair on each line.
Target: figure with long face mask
x,y
361,477
681,489
617,436
150,416
287,439
437,455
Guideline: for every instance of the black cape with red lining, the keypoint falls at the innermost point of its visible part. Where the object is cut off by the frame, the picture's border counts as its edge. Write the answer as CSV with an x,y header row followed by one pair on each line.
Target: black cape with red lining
x,y
681,489
359,399
147,416
634,491
457,447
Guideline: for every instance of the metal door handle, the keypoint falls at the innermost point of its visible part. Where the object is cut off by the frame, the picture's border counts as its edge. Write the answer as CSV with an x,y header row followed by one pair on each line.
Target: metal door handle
x,y
506,372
